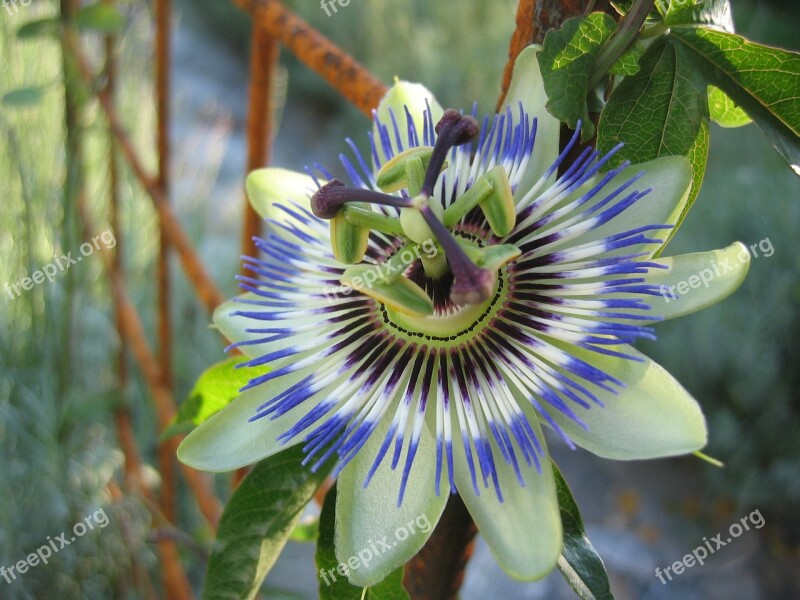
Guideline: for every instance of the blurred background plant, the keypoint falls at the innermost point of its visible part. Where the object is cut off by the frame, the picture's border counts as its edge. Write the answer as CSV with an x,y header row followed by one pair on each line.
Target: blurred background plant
x,y
58,389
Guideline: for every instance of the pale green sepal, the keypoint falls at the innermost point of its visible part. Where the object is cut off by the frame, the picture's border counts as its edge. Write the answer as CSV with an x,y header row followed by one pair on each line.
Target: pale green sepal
x,y
404,94
228,441
234,327
365,516
524,531
527,87
695,281
265,187
669,178
652,417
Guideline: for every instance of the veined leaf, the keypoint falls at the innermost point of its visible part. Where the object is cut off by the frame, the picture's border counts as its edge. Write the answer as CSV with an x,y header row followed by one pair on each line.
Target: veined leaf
x,y
566,61
716,13
257,522
660,111
628,63
579,563
216,387
763,81
724,111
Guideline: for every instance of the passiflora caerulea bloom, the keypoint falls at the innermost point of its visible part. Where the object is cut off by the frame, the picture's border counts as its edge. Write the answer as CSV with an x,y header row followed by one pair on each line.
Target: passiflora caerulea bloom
x,y
422,323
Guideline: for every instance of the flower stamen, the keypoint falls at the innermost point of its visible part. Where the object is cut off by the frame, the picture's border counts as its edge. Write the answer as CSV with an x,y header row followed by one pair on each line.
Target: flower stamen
x,y
328,200
453,129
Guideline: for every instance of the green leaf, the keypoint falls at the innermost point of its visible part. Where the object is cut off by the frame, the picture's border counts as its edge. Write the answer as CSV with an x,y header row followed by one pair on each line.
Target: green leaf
x,y
27,96
724,111
566,61
623,7
333,584
101,17
660,111
216,387
257,522
698,158
628,63
39,27
716,13
579,563
763,81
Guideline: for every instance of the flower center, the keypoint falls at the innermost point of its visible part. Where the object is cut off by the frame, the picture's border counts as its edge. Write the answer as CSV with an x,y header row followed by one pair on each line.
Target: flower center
x,y
422,222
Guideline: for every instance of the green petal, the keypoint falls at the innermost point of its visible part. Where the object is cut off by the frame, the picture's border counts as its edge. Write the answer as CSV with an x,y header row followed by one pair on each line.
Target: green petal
x,y
652,417
524,531
404,94
229,441
265,187
234,327
527,87
365,516
692,282
670,178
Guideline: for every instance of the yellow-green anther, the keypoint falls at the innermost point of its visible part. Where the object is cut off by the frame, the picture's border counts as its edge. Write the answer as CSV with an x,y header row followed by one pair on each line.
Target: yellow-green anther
x,y
372,220
392,176
414,225
401,294
348,241
499,207
492,193
479,191
415,175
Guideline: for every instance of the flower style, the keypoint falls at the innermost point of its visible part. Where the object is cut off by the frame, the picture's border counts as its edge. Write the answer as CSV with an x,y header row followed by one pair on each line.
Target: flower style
x,y
421,324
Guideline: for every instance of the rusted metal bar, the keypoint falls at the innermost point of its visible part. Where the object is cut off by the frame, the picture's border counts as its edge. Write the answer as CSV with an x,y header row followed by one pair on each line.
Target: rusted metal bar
x,y
208,293
346,75
263,59
132,466
166,457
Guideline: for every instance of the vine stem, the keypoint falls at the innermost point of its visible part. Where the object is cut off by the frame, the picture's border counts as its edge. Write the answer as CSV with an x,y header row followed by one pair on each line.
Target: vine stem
x,y
623,38
437,571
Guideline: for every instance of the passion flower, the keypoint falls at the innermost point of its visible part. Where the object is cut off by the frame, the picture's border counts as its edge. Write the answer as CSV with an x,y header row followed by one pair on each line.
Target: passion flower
x,y
422,322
